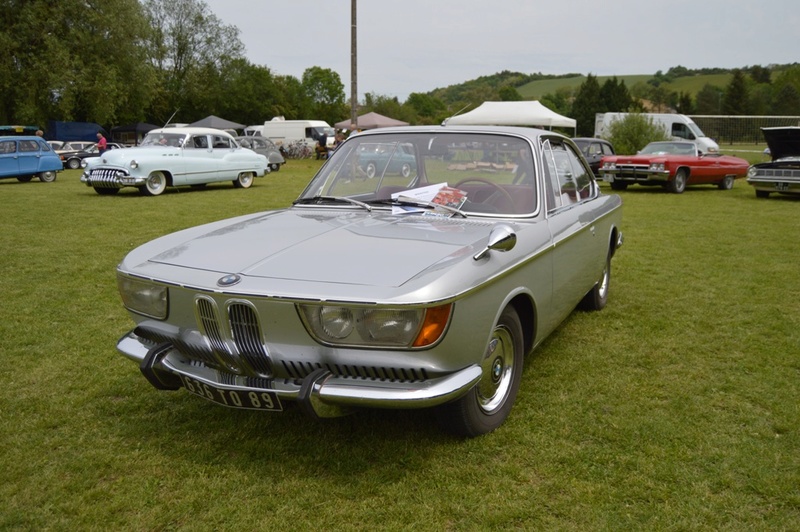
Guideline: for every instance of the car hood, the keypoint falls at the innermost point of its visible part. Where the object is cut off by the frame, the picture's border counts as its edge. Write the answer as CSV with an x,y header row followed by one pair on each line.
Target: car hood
x,y
122,156
352,248
782,141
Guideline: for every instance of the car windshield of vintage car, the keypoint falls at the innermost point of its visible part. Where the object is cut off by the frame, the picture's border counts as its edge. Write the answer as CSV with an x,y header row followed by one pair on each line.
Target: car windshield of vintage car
x,y
669,148
493,173
163,139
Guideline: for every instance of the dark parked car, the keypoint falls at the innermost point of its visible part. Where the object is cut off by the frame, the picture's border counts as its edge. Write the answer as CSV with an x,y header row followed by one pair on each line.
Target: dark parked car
x,y
421,284
265,147
782,174
28,157
74,159
593,150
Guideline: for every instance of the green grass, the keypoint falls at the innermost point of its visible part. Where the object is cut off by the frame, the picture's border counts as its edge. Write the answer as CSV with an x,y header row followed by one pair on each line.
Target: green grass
x,y
675,408
687,84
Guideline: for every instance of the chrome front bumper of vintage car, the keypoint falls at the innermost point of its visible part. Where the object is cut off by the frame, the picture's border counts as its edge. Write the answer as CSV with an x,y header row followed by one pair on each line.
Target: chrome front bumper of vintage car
x,y
321,393
110,178
634,172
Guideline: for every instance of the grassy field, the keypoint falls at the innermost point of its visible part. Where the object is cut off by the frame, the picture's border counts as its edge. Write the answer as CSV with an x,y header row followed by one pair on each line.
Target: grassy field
x,y
675,408
688,84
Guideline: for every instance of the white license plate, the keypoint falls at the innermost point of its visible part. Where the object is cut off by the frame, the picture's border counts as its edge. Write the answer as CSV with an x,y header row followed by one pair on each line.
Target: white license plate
x,y
251,400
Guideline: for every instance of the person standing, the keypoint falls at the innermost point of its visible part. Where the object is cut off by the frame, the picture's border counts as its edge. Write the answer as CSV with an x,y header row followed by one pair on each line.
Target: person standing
x,y
102,143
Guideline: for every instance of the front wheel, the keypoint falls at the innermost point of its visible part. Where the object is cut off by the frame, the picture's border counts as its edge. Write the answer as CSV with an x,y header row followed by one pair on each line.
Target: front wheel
x,y
726,183
244,180
47,177
762,194
371,170
678,183
156,184
487,405
74,164
274,167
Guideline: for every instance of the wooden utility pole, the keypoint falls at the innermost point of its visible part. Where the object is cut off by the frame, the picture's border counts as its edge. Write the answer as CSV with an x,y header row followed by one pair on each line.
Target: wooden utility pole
x,y
353,66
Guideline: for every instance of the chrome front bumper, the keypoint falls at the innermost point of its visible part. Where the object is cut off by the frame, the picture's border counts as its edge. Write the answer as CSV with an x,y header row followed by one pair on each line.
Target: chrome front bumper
x,y
321,393
111,178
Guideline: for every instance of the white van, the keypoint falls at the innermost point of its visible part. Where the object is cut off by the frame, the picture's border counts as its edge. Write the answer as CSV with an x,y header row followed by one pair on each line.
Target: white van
x,y
288,131
678,127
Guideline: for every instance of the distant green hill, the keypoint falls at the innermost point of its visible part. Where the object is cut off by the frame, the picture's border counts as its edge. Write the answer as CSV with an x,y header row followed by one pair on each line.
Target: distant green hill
x,y
689,84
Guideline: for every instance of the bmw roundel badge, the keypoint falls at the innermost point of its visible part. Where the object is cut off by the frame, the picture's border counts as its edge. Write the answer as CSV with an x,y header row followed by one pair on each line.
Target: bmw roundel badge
x,y
229,280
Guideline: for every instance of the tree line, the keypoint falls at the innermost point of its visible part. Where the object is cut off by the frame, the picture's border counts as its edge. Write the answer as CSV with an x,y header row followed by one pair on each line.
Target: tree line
x,y
116,62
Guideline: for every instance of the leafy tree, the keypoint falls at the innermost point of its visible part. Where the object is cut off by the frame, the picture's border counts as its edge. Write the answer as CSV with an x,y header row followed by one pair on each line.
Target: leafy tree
x,y
709,100
509,94
188,46
560,102
63,60
683,103
587,103
428,109
787,101
615,96
325,91
760,74
735,101
633,132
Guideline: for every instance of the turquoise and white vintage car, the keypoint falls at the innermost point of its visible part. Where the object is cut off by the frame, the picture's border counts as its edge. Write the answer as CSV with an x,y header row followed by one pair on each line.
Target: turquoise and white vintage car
x,y
173,157
418,289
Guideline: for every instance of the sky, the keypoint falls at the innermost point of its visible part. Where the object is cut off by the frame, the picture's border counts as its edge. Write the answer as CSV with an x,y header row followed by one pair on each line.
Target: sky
x,y
406,46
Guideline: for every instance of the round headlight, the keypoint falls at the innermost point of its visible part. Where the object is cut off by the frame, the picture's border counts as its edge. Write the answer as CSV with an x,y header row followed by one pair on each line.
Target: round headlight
x,y
134,164
336,322
389,326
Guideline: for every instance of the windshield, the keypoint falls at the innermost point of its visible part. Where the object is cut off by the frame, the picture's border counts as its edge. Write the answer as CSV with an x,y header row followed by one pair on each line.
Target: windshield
x,y
494,173
163,139
674,148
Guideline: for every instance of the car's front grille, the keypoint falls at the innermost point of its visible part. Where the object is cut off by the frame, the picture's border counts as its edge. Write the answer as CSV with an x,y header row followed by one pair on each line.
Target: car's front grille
x,y
106,177
232,342
778,172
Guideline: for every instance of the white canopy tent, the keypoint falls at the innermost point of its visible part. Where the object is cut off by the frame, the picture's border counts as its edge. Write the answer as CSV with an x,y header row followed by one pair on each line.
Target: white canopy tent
x,y
526,113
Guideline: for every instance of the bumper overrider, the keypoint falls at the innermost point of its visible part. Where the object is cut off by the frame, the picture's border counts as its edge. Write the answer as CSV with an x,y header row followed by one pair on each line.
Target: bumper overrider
x,y
111,178
321,393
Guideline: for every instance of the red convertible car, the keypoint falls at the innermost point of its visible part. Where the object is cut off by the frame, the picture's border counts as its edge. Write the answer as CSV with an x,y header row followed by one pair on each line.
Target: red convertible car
x,y
673,165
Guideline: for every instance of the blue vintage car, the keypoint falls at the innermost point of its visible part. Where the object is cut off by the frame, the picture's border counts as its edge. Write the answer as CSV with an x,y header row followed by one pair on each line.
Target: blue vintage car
x,y
28,157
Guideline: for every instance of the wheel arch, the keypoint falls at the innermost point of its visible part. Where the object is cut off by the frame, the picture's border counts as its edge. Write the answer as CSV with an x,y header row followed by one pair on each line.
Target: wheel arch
x,y
525,307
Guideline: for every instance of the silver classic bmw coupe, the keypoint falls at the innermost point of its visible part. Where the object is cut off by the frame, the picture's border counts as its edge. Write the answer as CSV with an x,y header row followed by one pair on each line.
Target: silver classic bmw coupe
x,y
416,270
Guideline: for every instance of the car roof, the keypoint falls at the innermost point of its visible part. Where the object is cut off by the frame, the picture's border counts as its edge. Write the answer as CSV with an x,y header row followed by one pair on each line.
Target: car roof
x,y
529,132
190,131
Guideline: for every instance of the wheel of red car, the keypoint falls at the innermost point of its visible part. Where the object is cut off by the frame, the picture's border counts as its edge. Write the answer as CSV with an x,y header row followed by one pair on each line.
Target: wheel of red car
x,y
156,184
24,178
244,180
726,183
46,177
74,164
678,184
618,185
487,405
762,194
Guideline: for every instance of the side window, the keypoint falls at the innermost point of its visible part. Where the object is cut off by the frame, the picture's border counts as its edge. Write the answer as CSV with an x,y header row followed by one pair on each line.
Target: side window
x,y
28,146
220,142
607,150
8,146
568,180
681,131
200,141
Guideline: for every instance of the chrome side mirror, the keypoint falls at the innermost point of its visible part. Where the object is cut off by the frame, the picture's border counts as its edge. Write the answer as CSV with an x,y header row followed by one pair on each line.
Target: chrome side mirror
x,y
502,238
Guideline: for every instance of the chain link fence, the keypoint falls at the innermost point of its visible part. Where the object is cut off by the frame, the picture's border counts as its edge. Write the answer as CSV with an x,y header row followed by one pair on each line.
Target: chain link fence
x,y
740,129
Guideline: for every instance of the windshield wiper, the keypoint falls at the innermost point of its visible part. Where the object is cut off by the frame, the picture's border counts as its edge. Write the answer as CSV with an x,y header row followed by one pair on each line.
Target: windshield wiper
x,y
420,203
319,200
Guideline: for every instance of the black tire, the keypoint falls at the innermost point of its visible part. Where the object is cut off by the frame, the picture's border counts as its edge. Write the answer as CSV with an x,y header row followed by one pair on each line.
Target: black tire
x,y
274,167
597,297
25,178
245,180
74,164
405,170
106,191
46,177
762,194
487,405
617,185
371,170
727,182
678,183
155,185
